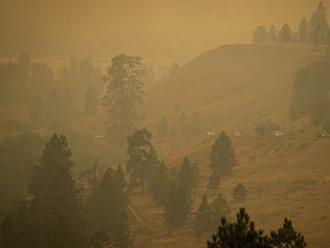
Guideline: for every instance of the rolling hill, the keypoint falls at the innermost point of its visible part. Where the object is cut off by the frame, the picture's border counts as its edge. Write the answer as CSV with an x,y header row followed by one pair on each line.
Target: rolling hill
x,y
232,87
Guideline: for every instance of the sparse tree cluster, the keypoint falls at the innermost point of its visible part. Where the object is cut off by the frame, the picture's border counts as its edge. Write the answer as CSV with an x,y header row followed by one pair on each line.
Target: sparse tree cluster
x,y
52,216
107,212
208,214
222,159
315,30
159,184
179,201
243,233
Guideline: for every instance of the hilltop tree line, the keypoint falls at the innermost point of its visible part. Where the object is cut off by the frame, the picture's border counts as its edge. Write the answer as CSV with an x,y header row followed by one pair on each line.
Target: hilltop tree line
x,y
313,30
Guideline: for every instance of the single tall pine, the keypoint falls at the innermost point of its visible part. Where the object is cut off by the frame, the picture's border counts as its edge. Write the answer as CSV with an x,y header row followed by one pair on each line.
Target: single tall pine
x,y
142,157
55,207
222,157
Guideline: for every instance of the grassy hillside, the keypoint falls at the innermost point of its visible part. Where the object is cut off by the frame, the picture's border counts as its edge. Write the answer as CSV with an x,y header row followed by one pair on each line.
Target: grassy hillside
x,y
233,87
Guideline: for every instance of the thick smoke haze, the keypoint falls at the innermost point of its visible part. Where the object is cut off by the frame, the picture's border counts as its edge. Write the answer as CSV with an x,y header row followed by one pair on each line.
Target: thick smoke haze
x,y
153,29
164,123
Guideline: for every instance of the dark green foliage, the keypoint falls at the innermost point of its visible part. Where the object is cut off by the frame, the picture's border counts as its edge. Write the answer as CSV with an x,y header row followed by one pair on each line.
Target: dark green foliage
x,y
99,239
178,205
240,192
55,207
222,156
219,207
159,184
18,156
179,201
203,217
16,229
286,236
52,217
243,233
124,93
285,34
187,176
142,157
208,215
266,127
311,87
107,211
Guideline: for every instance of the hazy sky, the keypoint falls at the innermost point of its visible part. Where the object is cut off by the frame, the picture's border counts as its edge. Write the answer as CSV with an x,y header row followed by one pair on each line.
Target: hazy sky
x,y
151,28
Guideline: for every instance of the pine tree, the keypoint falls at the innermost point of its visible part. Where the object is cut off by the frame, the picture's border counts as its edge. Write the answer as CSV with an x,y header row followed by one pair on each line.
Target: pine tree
x,y
203,218
124,94
178,205
219,207
187,176
159,184
286,236
303,30
285,34
120,231
107,211
243,233
55,207
16,228
142,157
319,27
222,156
239,192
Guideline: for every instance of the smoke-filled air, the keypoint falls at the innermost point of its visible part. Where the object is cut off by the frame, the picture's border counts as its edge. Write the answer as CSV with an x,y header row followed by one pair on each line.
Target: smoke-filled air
x,y
164,124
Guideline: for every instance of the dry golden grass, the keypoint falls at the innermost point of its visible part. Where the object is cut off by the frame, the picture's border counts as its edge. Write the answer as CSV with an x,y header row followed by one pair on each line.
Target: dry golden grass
x,y
232,87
